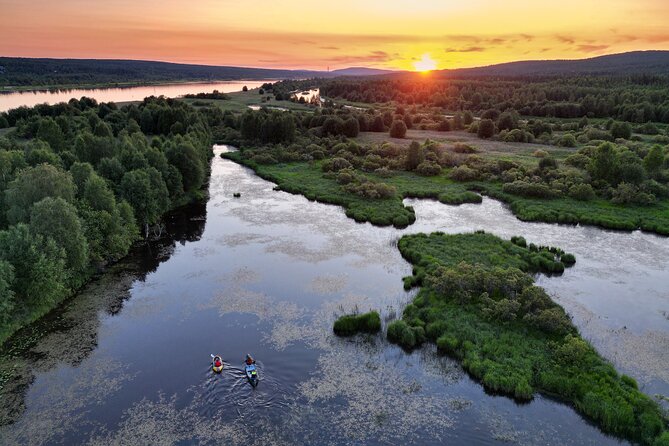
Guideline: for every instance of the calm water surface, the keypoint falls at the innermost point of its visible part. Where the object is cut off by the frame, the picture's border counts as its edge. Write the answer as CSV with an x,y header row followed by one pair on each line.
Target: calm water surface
x,y
31,98
127,361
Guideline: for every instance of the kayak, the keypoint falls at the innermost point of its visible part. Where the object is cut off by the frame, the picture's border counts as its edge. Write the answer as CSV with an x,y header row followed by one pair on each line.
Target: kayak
x,y
251,374
218,369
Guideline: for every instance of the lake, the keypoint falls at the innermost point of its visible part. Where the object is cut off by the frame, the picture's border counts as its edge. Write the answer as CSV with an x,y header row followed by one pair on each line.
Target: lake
x,y
124,94
127,361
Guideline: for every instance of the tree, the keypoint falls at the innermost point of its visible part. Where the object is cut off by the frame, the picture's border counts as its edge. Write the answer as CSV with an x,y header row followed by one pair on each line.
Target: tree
x,y
508,120
377,124
351,127
149,198
398,129
654,161
6,294
245,88
621,130
57,219
486,129
187,161
333,126
34,184
415,156
81,172
604,164
51,133
97,195
39,275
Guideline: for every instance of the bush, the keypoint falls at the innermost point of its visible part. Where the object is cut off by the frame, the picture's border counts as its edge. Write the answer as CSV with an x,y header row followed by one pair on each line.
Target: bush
x,y
460,147
351,324
531,190
335,165
627,193
582,192
621,130
463,173
486,129
567,140
547,163
398,129
428,168
540,153
399,332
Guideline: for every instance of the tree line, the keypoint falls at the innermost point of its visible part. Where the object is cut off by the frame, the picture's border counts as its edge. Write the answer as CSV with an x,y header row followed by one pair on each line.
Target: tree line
x,y
79,183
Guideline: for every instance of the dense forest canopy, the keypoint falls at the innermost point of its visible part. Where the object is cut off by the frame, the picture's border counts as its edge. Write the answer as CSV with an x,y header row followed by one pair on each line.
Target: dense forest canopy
x,y
79,183
637,99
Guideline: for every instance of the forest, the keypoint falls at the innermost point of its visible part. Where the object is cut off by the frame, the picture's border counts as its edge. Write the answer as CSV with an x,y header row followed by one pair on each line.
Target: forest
x,y
604,171
80,182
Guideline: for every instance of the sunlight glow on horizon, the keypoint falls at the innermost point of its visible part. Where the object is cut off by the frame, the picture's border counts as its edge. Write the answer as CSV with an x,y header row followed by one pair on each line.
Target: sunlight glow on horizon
x,y
337,35
425,63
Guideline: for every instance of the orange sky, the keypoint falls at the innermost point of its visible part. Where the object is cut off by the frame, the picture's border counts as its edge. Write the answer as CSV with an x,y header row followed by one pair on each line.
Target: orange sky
x,y
341,33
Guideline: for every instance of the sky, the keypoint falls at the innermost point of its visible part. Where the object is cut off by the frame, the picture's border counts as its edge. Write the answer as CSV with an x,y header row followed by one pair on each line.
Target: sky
x,y
331,34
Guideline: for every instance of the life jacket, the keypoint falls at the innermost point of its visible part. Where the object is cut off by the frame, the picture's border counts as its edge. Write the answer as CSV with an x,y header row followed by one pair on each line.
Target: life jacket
x,y
217,363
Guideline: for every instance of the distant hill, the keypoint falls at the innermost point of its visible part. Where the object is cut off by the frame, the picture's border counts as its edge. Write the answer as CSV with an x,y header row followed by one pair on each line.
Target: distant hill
x,y
635,62
25,72
359,71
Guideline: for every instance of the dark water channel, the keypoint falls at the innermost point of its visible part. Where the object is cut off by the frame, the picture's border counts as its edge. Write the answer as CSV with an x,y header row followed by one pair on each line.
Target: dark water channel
x,y
127,361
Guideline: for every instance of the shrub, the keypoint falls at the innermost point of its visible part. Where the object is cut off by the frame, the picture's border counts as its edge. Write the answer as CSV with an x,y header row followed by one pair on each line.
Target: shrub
x,y
532,190
370,189
335,165
486,129
627,193
578,160
444,126
582,192
463,173
567,140
621,130
518,240
398,129
351,324
547,163
540,153
428,168
460,147
399,332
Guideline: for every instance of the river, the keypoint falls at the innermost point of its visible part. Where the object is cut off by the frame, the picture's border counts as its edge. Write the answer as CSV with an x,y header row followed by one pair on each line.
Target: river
x,y
124,94
127,360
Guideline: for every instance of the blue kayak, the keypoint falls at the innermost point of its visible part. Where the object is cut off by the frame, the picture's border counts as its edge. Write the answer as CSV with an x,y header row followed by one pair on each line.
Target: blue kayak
x,y
251,374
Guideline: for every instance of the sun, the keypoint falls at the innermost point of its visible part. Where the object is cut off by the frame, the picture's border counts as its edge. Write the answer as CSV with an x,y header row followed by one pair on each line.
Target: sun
x,y
425,63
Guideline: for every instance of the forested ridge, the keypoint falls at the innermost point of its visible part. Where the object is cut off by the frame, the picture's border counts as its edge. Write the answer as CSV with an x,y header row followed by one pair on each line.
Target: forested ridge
x,y
79,183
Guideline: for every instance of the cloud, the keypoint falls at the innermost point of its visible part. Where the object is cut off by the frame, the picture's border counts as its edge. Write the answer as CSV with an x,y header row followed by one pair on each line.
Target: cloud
x,y
469,49
565,39
329,48
374,56
591,48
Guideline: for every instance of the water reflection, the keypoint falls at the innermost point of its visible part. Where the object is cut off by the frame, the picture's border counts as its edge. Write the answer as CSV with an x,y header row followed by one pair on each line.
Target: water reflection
x,y
121,94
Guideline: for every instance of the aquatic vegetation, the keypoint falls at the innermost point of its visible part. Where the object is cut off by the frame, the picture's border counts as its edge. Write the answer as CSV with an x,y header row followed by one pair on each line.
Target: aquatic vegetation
x,y
479,304
351,324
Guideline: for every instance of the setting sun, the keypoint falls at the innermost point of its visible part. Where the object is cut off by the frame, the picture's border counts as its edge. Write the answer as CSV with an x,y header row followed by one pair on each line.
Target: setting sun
x,y
425,63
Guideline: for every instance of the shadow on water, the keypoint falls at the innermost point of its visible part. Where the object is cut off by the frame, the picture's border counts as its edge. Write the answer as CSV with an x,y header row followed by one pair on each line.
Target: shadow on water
x,y
69,333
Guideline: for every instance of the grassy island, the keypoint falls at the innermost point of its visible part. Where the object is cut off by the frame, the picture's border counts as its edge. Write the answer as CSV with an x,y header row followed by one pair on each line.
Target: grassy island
x,y
479,304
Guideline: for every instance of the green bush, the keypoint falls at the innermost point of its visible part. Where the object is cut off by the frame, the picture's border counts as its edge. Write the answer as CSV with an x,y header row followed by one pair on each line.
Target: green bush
x,y
398,129
399,332
351,324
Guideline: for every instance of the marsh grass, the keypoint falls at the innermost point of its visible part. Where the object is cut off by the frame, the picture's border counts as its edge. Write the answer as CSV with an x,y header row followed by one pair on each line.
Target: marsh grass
x,y
479,304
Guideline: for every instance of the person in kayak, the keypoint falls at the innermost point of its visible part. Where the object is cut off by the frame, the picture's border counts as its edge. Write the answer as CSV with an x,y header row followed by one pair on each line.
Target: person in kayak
x,y
249,360
217,362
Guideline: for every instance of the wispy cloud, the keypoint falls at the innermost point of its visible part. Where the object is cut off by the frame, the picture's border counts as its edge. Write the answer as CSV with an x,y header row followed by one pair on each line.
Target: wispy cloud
x,y
592,48
469,49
